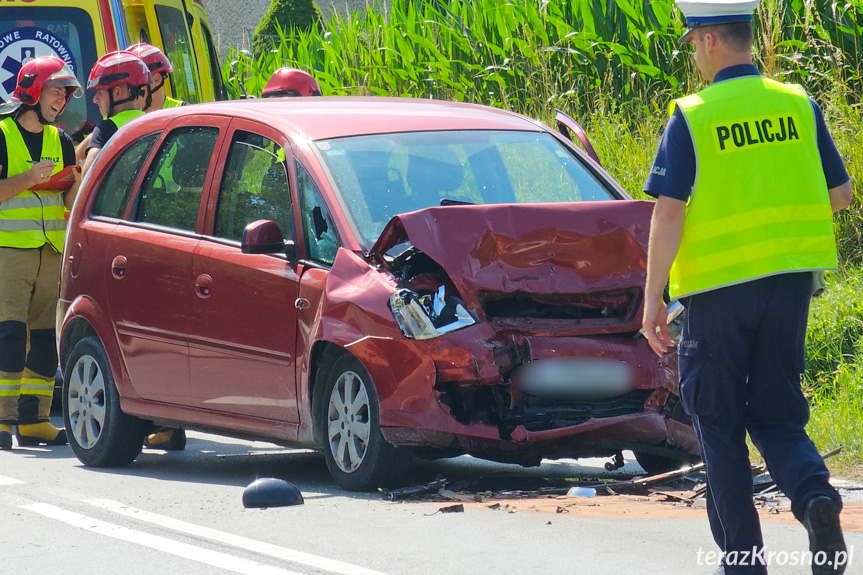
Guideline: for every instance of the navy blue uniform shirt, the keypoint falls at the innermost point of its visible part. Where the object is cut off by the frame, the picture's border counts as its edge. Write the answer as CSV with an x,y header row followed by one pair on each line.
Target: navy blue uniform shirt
x,y
673,171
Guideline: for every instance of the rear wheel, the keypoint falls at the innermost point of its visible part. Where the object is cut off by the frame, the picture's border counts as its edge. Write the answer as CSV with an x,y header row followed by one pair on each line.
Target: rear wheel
x,y
100,434
347,415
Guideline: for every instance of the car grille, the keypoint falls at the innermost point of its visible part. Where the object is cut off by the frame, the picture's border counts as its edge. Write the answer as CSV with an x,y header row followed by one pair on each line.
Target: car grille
x,y
599,309
539,414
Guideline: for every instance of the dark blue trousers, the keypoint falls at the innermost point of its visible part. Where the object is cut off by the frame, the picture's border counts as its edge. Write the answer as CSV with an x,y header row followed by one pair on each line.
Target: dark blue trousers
x,y
741,356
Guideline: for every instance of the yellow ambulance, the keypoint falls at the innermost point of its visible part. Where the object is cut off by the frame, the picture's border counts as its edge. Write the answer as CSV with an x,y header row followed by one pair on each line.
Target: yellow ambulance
x,y
80,31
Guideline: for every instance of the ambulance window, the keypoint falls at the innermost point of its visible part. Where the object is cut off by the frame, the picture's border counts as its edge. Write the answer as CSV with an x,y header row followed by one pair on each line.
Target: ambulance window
x,y
213,59
29,32
178,47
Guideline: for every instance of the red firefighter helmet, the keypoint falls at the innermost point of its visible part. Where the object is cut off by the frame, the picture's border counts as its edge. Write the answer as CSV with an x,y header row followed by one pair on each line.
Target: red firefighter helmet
x,y
154,58
291,82
35,73
117,68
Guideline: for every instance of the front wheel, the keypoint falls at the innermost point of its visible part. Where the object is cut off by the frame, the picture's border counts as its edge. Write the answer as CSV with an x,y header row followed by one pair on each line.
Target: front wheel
x,y
100,434
357,455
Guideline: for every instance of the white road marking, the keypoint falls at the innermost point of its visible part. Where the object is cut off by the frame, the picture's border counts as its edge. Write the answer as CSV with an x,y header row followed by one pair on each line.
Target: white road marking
x,y
9,480
299,557
184,550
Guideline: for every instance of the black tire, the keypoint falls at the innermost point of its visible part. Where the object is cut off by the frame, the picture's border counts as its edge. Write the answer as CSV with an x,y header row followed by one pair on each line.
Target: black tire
x,y
655,464
100,434
380,464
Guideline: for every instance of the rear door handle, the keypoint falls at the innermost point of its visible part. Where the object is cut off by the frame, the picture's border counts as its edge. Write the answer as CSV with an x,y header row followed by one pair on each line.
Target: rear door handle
x,y
204,286
118,267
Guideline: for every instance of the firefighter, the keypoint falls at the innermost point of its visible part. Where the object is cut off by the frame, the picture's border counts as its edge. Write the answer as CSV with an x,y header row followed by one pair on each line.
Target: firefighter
x,y
32,229
121,80
160,68
291,82
747,178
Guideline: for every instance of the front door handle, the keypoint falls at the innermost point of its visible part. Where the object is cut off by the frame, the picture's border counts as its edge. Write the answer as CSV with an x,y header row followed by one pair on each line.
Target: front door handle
x,y
203,286
118,267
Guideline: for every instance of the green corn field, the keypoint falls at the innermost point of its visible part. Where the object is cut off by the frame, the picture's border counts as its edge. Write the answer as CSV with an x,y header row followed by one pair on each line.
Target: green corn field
x,y
532,56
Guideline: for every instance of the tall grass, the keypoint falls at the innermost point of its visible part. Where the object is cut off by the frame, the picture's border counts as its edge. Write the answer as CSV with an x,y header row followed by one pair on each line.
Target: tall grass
x,y
532,55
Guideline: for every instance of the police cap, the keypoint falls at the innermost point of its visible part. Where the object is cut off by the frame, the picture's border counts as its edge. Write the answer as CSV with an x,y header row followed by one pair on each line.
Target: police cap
x,y
709,12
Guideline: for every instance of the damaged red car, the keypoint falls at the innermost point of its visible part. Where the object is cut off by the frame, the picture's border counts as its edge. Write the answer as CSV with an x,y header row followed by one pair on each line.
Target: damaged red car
x,y
375,278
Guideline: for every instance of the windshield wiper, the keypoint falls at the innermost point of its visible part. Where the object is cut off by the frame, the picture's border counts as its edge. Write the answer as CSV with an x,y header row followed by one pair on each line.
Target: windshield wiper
x,y
449,202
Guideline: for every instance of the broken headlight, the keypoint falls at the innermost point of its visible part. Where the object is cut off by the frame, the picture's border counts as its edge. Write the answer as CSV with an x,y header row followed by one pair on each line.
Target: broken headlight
x,y
432,315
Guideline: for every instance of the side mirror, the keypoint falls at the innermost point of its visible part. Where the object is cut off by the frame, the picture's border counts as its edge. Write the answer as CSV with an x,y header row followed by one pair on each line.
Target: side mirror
x,y
265,237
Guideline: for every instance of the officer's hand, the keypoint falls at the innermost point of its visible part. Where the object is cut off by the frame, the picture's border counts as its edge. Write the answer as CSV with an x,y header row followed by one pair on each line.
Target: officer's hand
x,y
41,172
655,326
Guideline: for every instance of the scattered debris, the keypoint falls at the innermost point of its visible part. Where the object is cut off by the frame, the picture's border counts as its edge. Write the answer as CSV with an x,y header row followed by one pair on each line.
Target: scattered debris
x,y
458,508
581,492
414,491
269,492
684,487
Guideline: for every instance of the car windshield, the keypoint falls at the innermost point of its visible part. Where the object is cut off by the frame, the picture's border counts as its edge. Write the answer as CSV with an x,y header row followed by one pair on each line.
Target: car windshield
x,y
380,176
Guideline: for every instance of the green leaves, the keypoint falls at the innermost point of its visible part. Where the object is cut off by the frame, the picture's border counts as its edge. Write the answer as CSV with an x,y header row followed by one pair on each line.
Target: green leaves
x,y
528,54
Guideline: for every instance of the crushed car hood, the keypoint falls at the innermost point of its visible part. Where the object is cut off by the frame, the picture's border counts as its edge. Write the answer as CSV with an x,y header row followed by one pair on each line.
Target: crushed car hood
x,y
541,249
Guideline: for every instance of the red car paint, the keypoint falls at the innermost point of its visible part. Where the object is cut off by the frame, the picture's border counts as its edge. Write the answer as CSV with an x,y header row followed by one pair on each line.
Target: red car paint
x,y
201,335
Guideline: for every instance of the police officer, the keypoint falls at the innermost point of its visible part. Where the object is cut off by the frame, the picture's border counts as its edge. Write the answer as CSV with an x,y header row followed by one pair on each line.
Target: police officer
x,y
160,68
32,228
290,82
121,81
747,178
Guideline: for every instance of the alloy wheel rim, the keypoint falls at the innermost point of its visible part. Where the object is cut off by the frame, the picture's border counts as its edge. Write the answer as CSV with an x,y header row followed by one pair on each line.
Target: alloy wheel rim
x,y
86,402
348,421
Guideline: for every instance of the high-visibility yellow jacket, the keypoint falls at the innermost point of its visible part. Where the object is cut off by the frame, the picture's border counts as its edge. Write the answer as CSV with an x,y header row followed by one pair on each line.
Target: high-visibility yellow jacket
x,y
124,118
760,204
31,219
171,103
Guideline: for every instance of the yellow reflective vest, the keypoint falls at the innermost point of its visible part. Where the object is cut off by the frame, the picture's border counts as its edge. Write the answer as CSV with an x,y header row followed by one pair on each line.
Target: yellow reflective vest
x,y
171,103
760,204
124,118
31,219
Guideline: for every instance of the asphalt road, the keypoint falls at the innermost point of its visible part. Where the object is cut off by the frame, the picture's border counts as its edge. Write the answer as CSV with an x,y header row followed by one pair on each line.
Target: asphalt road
x,y
181,512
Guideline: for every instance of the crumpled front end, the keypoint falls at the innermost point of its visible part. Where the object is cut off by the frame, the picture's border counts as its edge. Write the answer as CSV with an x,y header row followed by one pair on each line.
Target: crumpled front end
x,y
521,324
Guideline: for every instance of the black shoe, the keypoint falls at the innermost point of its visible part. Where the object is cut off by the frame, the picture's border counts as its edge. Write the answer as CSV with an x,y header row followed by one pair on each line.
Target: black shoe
x,y
27,441
5,441
826,541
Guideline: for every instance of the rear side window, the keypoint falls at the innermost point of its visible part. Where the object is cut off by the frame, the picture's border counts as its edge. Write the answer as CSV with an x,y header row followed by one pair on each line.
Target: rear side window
x,y
115,189
171,193
254,187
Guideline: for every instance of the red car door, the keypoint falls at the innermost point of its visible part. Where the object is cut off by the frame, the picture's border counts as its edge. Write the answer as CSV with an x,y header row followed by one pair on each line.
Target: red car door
x,y
149,261
242,331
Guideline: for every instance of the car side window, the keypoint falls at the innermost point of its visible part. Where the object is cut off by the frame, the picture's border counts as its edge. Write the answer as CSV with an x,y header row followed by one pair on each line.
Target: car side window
x,y
322,243
115,189
254,187
171,193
